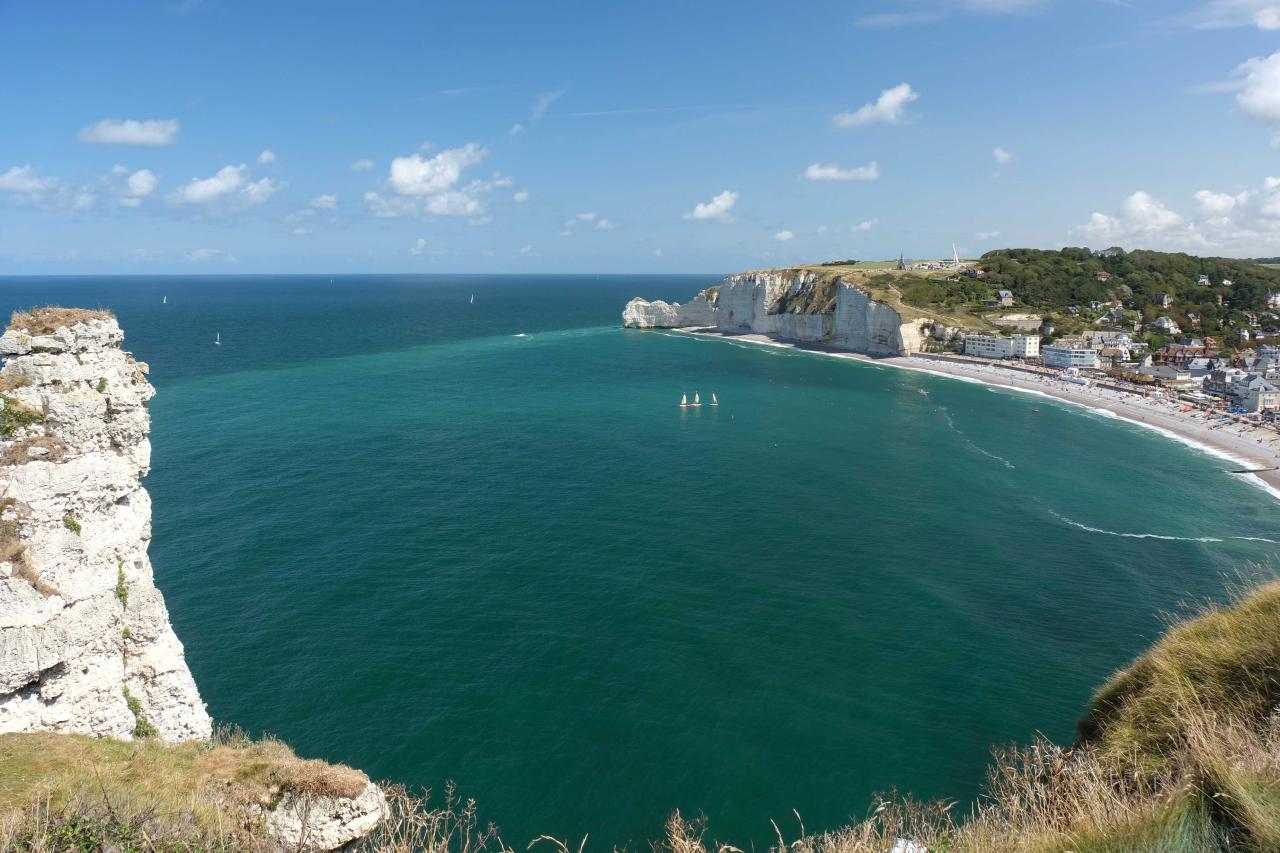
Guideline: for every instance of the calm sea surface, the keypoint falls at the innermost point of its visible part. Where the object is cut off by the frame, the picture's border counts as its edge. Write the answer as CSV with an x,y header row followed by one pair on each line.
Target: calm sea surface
x,y
442,540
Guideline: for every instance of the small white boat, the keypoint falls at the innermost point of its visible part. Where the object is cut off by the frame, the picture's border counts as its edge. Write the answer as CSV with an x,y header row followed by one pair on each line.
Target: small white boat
x,y
697,400
217,339
922,392
714,401
164,300
473,299
685,404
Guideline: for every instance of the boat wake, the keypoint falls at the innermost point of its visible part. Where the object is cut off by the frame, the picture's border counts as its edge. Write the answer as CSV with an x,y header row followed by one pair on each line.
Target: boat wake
x,y
1163,536
947,417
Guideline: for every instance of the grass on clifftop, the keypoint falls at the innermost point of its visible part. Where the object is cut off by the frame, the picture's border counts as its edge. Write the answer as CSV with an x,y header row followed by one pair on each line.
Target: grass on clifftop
x,y
50,318
72,792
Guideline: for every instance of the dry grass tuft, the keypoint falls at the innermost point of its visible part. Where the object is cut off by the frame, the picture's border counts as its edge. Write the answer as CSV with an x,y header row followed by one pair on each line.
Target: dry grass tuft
x,y
11,381
50,318
18,452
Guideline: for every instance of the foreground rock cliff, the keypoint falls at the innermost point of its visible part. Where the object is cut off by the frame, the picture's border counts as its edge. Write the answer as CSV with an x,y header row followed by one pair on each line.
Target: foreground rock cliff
x,y
799,304
86,647
85,641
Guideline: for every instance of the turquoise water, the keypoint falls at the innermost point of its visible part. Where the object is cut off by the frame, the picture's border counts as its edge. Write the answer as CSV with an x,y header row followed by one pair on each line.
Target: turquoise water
x,y
395,534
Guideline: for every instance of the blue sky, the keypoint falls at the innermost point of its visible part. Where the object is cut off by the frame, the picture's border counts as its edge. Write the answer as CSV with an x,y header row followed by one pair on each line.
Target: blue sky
x,y
221,136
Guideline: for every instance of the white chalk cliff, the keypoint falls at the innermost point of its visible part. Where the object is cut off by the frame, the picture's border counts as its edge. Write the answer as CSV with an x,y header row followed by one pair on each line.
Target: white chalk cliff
x,y
85,640
791,304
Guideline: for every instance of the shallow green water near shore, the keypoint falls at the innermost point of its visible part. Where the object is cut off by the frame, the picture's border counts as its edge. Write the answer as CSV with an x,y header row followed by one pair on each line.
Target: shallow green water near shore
x,y
395,534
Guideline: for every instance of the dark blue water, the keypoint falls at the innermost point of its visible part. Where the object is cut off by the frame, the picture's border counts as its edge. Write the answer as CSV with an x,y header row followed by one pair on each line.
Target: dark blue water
x,y
396,533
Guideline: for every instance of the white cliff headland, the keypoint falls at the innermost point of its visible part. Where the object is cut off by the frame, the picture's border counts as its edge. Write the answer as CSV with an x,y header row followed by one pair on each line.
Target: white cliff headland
x,y
829,307
85,640
86,647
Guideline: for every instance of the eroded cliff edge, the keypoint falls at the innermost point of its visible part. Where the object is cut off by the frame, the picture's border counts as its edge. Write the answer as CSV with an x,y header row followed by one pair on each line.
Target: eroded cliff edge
x,y
799,304
85,640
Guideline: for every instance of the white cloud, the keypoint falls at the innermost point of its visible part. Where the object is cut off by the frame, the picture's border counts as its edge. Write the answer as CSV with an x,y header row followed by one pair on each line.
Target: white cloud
x,y
1259,95
204,256
25,181
327,201
301,231
585,217
521,197
717,208
605,225
832,172
256,192
141,183
866,226
516,129
419,246
416,175
267,156
542,103
985,236
453,203
229,184
228,179
1003,157
479,220
1219,204
657,253
1225,14
131,132
385,207
526,250
888,108
783,236
362,165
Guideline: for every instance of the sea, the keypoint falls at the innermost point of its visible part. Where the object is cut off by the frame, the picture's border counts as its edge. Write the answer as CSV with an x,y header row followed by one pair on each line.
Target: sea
x,y
445,539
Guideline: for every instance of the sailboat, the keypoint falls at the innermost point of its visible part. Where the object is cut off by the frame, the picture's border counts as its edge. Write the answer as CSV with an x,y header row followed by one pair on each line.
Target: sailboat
x,y
164,300
697,401
473,299
714,401
685,404
217,339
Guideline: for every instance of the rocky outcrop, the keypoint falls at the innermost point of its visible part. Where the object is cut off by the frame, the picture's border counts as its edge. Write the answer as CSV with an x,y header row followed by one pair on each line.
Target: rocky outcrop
x,y
304,822
793,304
701,311
85,640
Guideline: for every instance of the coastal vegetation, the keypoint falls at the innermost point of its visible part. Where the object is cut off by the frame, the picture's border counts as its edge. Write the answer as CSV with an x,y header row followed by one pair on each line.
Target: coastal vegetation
x,y
1180,752
49,318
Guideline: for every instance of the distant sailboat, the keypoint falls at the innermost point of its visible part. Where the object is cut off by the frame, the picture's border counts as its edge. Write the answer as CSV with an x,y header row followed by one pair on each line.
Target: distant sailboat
x,y
473,299
685,404
714,401
697,401
217,339
164,300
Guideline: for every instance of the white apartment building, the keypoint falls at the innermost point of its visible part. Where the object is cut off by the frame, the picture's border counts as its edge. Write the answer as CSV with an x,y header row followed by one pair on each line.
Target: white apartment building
x,y
1079,357
994,346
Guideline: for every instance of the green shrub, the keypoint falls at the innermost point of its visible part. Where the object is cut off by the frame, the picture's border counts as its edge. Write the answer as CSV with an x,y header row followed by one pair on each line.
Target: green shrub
x,y
71,524
122,586
102,385
15,415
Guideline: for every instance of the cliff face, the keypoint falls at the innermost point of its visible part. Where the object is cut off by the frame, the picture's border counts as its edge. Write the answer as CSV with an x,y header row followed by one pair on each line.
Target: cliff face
x,y
85,640
793,304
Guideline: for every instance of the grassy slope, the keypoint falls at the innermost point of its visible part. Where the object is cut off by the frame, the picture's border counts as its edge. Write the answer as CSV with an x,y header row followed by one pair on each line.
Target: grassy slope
x,y
885,284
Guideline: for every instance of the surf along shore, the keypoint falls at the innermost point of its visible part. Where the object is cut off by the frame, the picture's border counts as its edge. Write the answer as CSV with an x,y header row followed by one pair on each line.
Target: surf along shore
x,y
1245,446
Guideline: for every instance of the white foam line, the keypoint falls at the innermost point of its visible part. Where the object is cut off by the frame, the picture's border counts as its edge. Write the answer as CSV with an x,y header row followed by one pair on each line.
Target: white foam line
x,y
1163,536
1251,479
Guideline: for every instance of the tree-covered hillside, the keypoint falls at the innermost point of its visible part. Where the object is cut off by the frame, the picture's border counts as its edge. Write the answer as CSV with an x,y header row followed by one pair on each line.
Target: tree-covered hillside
x,y
1052,280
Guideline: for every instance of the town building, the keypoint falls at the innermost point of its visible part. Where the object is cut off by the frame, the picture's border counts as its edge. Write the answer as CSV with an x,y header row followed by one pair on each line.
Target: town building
x,y
1166,325
995,346
1067,356
1164,300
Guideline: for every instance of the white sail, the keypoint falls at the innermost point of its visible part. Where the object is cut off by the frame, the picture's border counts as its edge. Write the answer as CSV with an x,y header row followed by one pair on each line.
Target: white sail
x,y
714,401
697,401
684,400
217,338
164,300
473,299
